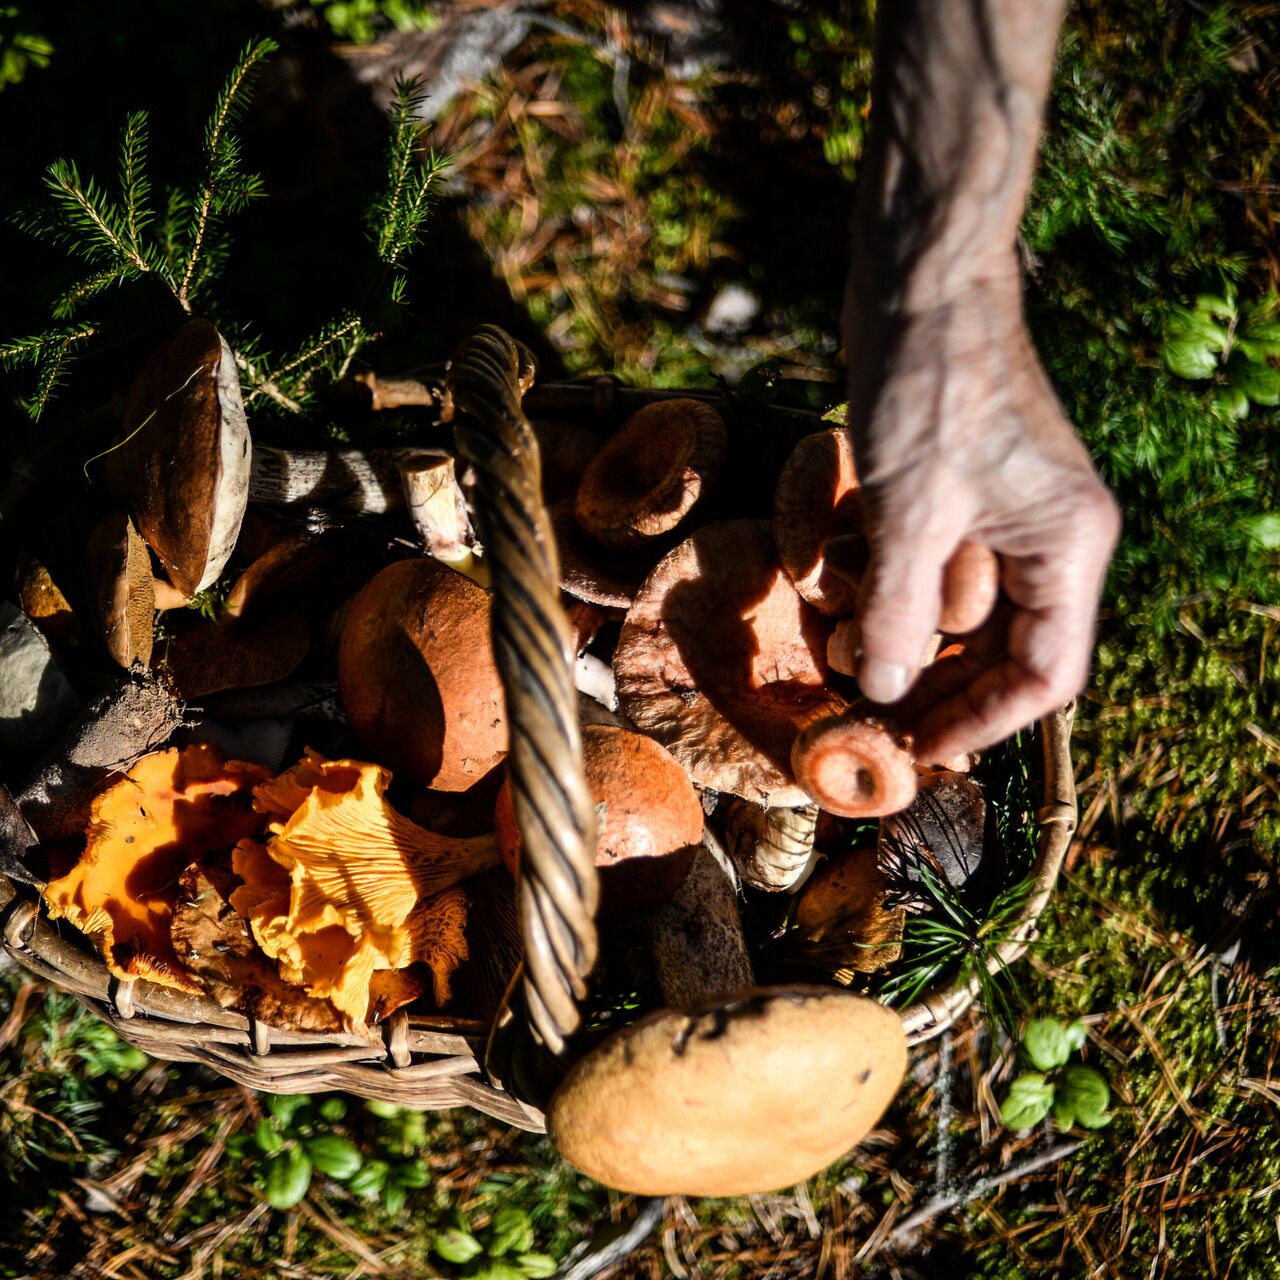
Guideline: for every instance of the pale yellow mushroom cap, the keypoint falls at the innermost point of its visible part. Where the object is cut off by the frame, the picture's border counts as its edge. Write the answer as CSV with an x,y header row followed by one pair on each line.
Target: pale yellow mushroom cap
x,y
751,1094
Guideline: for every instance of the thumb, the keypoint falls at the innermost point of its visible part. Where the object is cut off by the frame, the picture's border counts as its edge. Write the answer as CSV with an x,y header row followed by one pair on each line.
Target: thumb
x,y
898,607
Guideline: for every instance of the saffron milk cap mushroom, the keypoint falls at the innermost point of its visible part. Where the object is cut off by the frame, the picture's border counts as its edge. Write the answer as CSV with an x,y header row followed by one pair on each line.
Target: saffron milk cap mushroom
x,y
651,474
749,1094
816,502
417,678
854,765
723,663
649,817
185,457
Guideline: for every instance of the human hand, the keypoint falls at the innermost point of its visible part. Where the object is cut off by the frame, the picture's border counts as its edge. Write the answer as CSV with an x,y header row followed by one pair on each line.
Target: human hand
x,y
958,437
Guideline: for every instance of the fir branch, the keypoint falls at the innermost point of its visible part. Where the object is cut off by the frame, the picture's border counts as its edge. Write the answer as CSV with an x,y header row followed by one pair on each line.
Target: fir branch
x,y
86,212
48,352
177,215
257,381
135,188
400,213
301,367
65,306
222,159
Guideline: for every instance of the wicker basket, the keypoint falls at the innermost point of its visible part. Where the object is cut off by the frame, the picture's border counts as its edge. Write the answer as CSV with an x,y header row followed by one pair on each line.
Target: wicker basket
x,y
432,1063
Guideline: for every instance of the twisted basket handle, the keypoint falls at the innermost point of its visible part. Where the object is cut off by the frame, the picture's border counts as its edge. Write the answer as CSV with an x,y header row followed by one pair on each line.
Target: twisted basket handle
x,y
533,648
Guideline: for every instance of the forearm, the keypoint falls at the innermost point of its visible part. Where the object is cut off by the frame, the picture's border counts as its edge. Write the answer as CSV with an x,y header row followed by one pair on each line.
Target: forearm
x,y
955,124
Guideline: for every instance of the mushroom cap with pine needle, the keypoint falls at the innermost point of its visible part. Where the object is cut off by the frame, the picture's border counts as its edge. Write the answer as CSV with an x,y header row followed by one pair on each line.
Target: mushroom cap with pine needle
x,y
750,1094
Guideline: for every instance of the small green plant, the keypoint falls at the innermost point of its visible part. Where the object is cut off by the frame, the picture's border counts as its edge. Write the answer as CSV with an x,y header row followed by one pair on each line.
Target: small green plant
x,y
300,1137
298,1140
503,1250
363,21
1237,345
55,1080
1075,1094
397,1168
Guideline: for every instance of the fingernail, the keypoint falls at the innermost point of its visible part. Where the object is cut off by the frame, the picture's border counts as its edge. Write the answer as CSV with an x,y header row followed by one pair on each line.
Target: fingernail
x,y
882,681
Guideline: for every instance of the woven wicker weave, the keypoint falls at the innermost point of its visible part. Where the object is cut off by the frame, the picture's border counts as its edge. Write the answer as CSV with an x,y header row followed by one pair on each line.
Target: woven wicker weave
x,y
440,1062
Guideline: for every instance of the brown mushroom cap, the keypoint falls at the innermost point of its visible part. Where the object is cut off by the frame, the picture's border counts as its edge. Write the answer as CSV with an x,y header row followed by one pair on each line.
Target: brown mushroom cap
x,y
591,574
121,591
842,921
750,1095
417,678
651,473
723,663
258,650
817,499
185,459
650,818
854,766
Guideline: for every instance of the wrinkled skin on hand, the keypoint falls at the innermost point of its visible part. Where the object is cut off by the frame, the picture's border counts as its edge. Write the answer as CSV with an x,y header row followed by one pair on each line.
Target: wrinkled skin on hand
x,y
959,436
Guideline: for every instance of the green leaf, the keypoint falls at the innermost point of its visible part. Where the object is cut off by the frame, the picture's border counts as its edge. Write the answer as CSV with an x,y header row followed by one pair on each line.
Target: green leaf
x,y
268,1137
500,1271
1029,1100
1193,357
393,1198
510,1232
369,1181
1218,306
537,1266
288,1177
1088,1094
1045,1043
1064,1114
334,1155
284,1106
457,1246
383,1110
1264,530
1075,1034
1260,382
1231,402
332,1109
412,1173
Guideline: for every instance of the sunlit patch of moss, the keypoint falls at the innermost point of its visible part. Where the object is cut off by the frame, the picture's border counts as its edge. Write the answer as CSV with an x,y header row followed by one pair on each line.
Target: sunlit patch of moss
x,y
1181,730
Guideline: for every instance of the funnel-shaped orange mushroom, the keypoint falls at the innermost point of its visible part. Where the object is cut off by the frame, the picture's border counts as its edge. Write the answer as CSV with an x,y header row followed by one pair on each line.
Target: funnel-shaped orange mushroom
x,y
168,811
336,893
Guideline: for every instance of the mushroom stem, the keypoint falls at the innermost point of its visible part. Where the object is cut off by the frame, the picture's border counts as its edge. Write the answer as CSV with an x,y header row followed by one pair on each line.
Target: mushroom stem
x,y
439,512
696,937
771,848
167,596
400,393
361,481
596,679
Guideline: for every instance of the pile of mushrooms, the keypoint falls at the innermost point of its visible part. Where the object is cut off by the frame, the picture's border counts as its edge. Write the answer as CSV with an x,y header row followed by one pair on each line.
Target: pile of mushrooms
x,y
734,767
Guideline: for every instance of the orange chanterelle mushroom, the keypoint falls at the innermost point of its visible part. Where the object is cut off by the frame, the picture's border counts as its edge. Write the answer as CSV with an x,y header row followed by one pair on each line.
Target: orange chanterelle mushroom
x,y
345,886
168,811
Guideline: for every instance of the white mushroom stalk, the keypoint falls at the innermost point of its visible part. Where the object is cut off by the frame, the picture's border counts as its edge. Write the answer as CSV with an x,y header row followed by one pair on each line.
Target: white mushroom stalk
x,y
772,849
439,513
